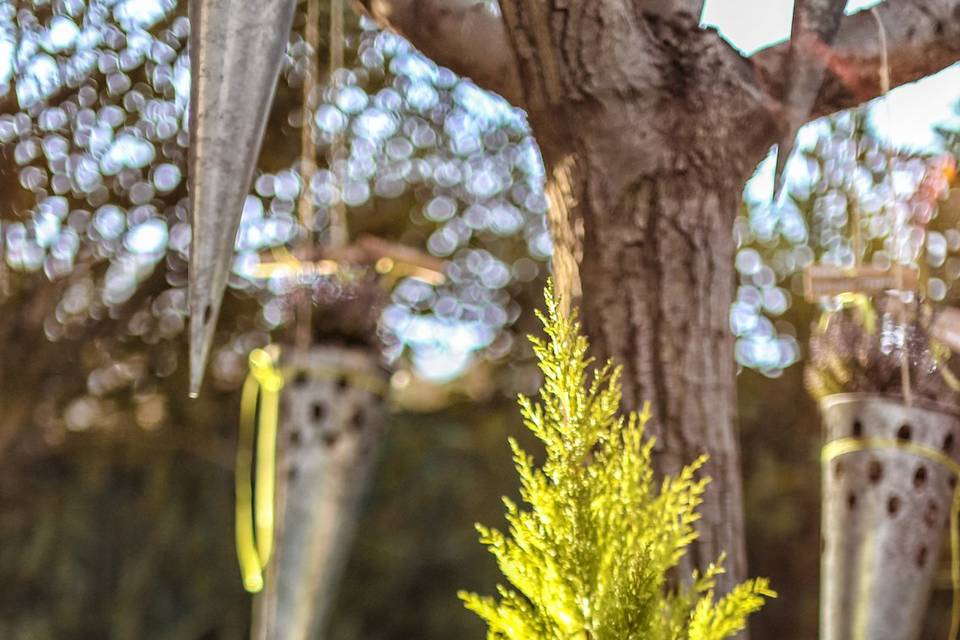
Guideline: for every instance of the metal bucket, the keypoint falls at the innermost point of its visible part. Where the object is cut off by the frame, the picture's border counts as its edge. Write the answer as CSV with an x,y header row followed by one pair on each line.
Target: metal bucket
x,y
885,516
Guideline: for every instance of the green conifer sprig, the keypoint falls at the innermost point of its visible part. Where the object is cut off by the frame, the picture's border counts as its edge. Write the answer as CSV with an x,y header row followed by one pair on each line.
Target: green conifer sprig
x,y
588,556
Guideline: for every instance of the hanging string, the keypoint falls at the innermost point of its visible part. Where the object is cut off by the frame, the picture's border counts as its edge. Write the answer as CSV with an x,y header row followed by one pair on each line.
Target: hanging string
x,y
257,442
857,231
308,150
885,86
845,446
339,230
308,162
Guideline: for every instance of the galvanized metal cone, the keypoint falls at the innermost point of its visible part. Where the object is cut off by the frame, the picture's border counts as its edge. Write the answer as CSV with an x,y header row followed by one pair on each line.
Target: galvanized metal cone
x,y
885,517
333,419
236,52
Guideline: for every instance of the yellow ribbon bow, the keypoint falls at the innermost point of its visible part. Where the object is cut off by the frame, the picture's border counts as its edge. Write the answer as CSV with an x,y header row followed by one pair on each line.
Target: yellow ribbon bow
x,y
255,499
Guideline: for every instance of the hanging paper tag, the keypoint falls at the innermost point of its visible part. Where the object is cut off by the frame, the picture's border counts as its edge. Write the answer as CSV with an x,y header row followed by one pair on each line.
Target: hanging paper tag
x,y
825,280
946,328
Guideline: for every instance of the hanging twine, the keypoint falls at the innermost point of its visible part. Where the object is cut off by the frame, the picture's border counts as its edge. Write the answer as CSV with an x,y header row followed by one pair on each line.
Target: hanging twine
x,y
858,250
898,223
843,446
339,229
308,152
255,498
860,300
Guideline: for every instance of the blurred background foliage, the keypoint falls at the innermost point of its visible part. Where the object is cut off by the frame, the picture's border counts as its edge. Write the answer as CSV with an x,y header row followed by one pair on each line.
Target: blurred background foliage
x,y
116,492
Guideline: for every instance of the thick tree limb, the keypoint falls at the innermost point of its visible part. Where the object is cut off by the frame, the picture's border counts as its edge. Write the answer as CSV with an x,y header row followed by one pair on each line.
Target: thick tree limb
x,y
464,35
923,37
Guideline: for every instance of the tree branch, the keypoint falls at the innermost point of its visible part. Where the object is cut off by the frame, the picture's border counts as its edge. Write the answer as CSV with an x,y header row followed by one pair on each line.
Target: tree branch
x,y
464,35
923,37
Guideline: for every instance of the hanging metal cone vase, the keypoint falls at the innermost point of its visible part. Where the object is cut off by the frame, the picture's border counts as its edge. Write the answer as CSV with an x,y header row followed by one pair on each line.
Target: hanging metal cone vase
x,y
886,512
333,419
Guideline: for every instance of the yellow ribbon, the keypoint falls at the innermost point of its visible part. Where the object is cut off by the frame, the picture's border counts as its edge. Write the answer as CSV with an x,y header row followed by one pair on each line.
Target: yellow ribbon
x,y
259,418
941,353
843,446
861,303
255,499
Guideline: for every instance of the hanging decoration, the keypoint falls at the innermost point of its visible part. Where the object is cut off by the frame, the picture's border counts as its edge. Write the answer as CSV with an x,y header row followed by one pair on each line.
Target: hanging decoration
x,y
891,461
335,413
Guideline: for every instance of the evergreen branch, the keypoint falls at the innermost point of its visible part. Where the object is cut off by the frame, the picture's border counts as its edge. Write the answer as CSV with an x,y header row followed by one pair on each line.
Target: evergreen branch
x,y
588,553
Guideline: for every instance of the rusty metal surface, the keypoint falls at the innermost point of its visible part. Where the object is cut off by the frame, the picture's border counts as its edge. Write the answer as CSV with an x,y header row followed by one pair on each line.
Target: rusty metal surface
x,y
885,517
236,52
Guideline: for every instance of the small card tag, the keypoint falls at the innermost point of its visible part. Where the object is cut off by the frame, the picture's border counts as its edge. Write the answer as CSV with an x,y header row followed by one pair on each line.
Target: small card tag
x,y
946,328
825,280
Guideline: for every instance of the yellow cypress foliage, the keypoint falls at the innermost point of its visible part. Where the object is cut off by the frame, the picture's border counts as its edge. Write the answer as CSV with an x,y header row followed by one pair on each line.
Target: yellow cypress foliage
x,y
588,554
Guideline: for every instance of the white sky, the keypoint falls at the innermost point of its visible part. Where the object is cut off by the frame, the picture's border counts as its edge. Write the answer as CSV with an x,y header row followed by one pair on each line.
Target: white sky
x,y
913,108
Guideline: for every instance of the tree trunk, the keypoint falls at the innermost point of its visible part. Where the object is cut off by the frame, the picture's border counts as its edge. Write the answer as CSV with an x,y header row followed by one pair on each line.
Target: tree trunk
x,y
657,267
646,182
658,257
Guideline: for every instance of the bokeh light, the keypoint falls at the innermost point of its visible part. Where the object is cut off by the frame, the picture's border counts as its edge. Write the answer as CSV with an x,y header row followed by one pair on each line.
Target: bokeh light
x,y
95,121
844,176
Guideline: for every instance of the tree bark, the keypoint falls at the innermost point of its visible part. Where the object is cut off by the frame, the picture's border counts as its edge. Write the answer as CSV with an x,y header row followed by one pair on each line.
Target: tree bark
x,y
659,263
651,164
922,37
657,267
